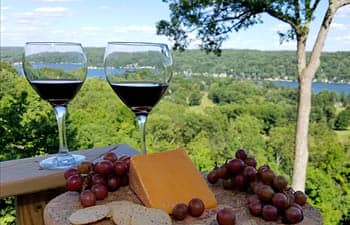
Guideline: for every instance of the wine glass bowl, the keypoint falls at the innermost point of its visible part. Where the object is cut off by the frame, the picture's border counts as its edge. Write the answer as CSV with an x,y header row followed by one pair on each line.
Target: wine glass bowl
x,y
139,74
56,71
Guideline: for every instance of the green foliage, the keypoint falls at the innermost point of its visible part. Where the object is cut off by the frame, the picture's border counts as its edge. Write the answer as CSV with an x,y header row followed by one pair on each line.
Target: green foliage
x,y
327,195
7,211
231,114
343,119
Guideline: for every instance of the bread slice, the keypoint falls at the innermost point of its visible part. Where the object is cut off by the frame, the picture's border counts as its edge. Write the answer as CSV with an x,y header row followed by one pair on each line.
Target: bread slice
x,y
150,216
89,215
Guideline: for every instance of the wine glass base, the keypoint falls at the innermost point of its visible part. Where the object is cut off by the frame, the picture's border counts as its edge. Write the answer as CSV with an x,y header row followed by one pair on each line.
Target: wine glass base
x,y
61,162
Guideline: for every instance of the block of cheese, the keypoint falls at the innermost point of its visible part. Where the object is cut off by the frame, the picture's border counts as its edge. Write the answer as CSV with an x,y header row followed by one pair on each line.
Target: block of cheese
x,y
162,180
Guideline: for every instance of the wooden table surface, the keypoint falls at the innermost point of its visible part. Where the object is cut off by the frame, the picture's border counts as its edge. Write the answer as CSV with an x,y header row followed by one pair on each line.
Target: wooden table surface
x,y
24,176
34,187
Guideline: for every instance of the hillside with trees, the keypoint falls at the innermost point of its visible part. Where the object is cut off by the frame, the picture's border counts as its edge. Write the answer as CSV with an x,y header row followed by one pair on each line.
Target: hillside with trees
x,y
210,117
241,64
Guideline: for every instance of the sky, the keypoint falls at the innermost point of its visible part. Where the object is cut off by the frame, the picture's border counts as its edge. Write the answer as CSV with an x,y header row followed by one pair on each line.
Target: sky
x,y
96,22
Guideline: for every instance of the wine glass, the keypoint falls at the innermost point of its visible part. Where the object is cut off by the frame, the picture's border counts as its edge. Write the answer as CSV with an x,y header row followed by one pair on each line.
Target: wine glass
x,y
56,71
139,73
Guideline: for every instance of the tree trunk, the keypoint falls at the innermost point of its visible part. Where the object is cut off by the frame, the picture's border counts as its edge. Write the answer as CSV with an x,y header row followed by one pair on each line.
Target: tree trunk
x,y
306,74
304,108
302,129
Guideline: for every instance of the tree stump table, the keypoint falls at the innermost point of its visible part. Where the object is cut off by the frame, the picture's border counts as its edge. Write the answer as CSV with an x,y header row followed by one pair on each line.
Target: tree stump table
x,y
60,208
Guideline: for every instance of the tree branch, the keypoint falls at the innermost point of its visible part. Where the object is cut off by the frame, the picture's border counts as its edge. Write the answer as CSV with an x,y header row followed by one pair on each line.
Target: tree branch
x,y
321,38
282,17
315,5
297,11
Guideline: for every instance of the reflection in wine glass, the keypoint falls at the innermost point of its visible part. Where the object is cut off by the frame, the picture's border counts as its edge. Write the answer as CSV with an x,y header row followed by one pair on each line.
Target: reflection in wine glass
x,y
139,74
56,71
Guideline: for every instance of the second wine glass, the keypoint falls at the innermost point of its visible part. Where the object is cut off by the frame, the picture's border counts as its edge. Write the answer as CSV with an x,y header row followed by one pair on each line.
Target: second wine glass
x,y
139,74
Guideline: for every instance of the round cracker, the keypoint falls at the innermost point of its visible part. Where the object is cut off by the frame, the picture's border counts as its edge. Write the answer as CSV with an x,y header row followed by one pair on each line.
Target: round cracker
x,y
89,215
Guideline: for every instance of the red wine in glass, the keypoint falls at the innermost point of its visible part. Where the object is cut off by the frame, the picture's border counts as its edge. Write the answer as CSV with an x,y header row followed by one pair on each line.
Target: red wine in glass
x,y
140,97
57,92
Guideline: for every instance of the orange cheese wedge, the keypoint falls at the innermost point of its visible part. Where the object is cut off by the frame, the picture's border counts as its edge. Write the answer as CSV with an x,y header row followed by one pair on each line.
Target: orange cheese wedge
x,y
162,180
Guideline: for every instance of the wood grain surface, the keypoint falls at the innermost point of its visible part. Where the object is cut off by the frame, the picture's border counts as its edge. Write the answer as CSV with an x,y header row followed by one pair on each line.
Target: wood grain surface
x,y
24,176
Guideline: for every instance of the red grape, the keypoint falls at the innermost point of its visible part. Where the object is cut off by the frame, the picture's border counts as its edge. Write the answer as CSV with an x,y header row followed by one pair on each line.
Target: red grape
x,y
222,172
255,186
196,207
240,182
294,214
280,200
69,172
120,168
235,166
85,167
255,208
300,197
74,183
126,159
226,216
269,213
212,177
267,176
180,211
113,182
241,154
265,193
111,156
250,161
253,199
280,183
97,179
261,169
87,198
104,167
290,195
100,191
249,173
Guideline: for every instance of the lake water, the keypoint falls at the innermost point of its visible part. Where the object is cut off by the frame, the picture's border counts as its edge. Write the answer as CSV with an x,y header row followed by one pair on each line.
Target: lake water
x,y
316,86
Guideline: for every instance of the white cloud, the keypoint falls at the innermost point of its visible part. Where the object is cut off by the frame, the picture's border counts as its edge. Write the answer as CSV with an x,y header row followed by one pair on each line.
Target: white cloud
x,y
51,11
104,7
89,28
134,28
344,11
343,38
340,26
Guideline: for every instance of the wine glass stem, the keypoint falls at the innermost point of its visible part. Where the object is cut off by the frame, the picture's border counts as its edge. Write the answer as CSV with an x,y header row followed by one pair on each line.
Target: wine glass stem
x,y
141,121
61,112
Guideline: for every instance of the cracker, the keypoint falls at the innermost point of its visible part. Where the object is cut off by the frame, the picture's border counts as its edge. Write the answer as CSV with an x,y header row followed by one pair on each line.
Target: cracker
x,y
150,216
122,211
89,215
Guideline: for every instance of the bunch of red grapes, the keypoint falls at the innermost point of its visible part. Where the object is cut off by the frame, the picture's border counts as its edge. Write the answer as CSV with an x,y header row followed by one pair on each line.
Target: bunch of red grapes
x,y
269,195
95,180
